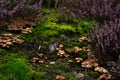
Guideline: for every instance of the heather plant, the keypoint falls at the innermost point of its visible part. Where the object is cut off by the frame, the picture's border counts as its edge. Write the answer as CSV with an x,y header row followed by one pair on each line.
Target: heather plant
x,y
10,9
106,9
91,9
105,40
52,3
114,69
74,7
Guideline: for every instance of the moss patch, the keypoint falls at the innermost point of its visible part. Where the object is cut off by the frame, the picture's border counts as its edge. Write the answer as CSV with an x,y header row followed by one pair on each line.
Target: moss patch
x,y
13,67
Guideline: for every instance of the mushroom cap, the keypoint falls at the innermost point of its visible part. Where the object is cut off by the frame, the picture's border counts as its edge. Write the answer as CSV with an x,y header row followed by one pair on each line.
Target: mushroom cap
x,y
105,76
61,45
60,77
100,69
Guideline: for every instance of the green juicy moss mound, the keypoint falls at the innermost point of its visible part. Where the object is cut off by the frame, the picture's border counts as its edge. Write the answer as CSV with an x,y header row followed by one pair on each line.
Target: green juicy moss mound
x,y
13,67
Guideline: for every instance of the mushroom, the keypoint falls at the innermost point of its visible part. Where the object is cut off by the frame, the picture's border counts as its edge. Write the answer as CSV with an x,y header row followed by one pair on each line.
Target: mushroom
x,y
89,63
100,69
76,49
86,64
58,48
84,48
41,61
40,54
78,59
105,77
35,59
88,50
61,46
52,62
69,61
60,77
9,43
19,24
61,53
7,40
82,38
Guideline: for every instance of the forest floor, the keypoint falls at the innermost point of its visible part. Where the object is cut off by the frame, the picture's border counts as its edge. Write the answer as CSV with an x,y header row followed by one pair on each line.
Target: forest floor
x,y
55,50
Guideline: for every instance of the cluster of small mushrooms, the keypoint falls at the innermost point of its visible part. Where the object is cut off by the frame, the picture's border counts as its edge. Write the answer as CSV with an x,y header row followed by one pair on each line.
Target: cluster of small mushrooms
x,y
40,59
24,26
90,62
16,25
7,40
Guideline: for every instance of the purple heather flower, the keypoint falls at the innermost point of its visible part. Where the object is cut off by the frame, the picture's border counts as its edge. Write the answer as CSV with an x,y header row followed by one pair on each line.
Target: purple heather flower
x,y
107,39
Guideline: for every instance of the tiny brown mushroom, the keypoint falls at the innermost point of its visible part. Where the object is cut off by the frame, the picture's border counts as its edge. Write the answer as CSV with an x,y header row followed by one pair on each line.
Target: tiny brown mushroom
x,y
105,77
41,61
34,59
70,61
61,46
100,69
89,63
76,49
58,49
9,43
41,54
86,64
60,77
61,53
84,48
95,64
4,45
88,50
78,59
52,62
82,38
24,32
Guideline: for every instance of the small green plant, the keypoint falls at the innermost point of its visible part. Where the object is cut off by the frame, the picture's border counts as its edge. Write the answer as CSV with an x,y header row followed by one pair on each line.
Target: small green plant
x,y
83,54
73,43
2,51
93,73
82,44
83,26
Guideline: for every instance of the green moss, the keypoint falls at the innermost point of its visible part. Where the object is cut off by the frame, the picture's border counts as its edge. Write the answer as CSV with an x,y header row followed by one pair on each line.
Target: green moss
x,y
3,77
53,29
68,76
2,51
93,73
73,43
44,10
83,54
32,75
49,28
83,26
16,69
50,33
82,44
67,27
